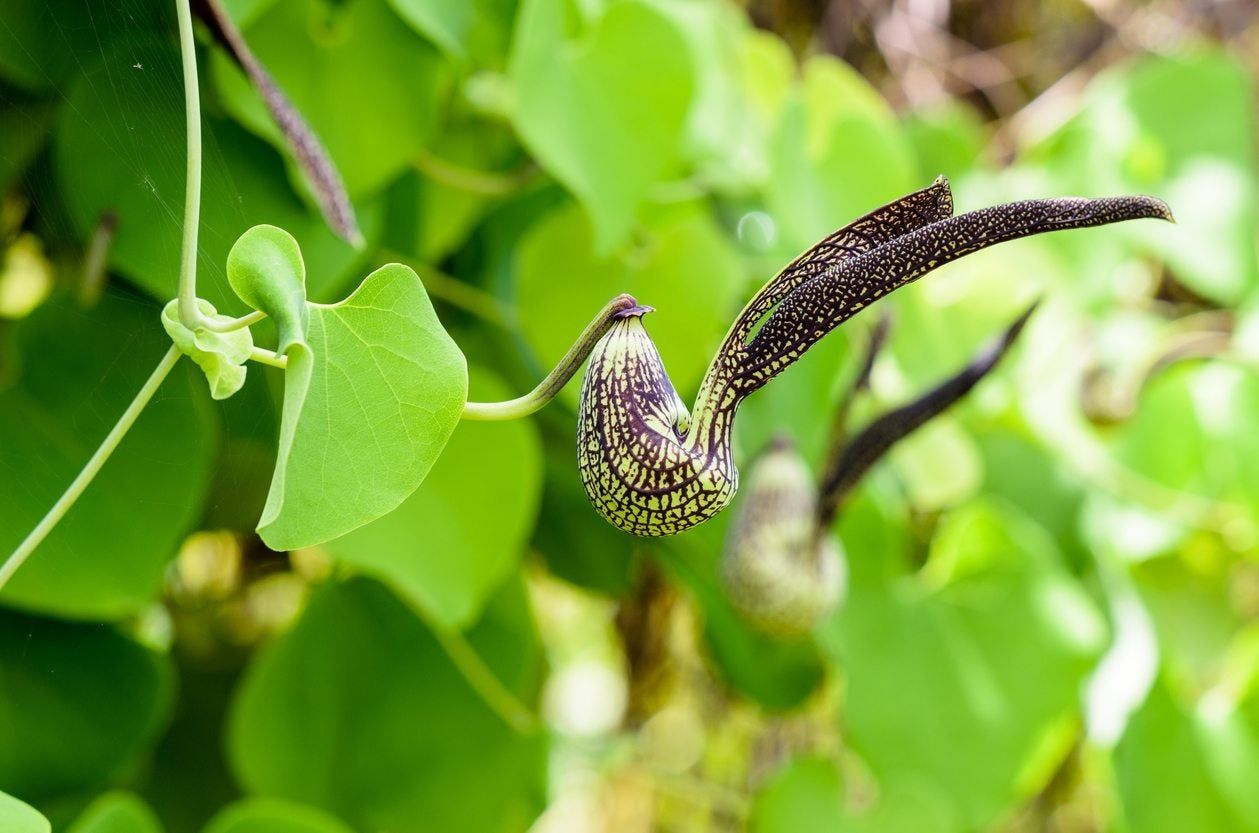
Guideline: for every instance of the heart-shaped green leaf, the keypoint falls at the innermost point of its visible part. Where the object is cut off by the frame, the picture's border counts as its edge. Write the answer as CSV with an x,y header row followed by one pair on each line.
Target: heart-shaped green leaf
x,y
632,120
19,817
221,356
452,544
369,403
987,646
266,271
1185,765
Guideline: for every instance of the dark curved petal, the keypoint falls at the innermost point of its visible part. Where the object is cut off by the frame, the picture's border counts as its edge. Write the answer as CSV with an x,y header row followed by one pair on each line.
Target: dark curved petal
x,y
848,466
823,303
921,208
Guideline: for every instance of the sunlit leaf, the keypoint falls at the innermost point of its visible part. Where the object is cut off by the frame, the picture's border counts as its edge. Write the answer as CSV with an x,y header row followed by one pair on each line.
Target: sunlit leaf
x,y
454,24
1180,127
838,153
727,129
1193,432
18,817
453,543
368,407
965,675
632,122
1181,768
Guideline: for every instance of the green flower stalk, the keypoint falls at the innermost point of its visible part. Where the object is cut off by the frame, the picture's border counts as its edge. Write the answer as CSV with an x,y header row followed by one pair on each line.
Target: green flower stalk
x,y
652,468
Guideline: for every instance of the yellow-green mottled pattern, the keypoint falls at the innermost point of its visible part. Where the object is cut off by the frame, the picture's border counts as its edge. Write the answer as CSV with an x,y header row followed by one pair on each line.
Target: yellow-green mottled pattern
x,y
645,468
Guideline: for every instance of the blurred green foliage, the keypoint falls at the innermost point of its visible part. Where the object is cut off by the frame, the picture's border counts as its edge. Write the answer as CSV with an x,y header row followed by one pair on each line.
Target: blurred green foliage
x,y
1052,612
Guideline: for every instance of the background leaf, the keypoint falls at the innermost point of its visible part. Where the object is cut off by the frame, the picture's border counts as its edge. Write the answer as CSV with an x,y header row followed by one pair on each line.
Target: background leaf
x,y
123,108
117,812
367,84
937,690
294,725
80,701
269,815
683,259
452,544
556,75
78,373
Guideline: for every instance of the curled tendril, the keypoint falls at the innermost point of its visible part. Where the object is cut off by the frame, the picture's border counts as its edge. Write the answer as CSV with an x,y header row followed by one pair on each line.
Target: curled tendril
x,y
782,569
652,468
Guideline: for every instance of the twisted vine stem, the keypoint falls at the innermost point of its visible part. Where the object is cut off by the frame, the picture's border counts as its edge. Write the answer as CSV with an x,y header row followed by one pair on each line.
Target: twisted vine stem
x,y
548,388
93,467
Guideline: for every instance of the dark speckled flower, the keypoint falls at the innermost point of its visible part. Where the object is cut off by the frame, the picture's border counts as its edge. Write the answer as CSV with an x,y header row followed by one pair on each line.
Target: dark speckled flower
x,y
651,468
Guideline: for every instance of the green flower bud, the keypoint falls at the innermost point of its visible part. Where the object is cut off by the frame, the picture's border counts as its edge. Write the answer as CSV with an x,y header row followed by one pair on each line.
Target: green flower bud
x,y
780,571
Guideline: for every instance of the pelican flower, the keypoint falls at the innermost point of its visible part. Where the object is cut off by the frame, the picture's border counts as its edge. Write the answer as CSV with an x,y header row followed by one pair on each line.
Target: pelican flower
x,y
651,467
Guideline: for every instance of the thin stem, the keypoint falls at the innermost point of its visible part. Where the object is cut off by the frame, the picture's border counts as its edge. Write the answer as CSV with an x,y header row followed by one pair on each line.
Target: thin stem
x,y
454,291
484,183
268,357
189,315
547,389
228,325
484,682
93,467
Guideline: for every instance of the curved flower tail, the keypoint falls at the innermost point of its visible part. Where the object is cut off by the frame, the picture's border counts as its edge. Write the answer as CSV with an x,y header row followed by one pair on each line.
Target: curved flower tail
x,y
849,465
849,283
921,208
